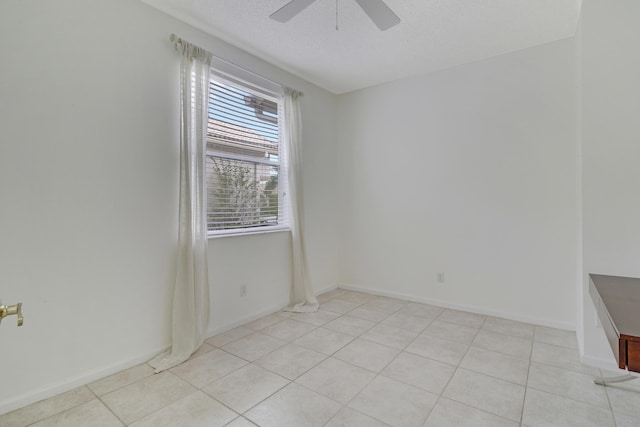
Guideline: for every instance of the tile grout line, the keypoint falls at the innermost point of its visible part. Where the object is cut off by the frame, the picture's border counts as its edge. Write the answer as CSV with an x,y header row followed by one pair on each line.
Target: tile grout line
x,y
376,323
59,412
456,367
242,414
275,373
606,392
440,395
526,384
99,398
582,402
376,374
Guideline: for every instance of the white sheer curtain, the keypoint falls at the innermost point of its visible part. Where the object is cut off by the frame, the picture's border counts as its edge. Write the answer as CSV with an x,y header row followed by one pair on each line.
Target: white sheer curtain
x,y
191,292
302,296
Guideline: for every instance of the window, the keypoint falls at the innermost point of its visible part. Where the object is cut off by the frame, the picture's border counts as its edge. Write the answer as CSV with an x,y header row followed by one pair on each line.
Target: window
x,y
245,167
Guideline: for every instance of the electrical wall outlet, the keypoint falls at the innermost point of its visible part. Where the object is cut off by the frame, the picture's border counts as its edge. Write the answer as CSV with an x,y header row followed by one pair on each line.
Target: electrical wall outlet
x,y
440,277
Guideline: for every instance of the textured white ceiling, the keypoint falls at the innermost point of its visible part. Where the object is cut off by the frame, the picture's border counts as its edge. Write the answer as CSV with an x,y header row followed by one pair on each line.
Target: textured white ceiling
x,y
433,34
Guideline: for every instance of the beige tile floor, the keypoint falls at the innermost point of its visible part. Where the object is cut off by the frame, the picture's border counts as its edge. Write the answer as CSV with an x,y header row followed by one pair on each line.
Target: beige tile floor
x,y
361,360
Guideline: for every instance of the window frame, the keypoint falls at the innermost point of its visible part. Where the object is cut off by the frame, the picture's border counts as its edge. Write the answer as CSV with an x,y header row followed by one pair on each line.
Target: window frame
x,y
244,80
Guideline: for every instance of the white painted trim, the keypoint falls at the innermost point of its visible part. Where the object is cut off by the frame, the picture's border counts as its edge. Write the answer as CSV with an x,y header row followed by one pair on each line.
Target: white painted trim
x,y
248,231
246,319
606,364
186,18
74,382
325,289
470,308
255,316
88,377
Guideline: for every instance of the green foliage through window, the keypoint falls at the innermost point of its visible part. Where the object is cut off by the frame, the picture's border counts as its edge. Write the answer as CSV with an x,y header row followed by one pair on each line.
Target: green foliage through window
x,y
236,197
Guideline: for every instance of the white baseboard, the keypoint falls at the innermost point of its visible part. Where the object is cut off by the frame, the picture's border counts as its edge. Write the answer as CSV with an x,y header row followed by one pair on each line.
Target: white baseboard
x,y
264,312
608,364
87,377
464,307
325,289
215,330
74,382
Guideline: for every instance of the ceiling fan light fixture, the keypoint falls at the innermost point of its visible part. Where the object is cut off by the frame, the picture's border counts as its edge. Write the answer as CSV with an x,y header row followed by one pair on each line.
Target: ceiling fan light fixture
x,y
380,13
377,10
289,10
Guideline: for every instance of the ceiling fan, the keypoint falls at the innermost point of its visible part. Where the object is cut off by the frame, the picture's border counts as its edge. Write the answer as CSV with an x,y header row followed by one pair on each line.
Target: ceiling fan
x,y
378,11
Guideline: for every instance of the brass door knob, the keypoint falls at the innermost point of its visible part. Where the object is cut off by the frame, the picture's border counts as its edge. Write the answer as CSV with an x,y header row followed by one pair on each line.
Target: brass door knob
x,y
10,310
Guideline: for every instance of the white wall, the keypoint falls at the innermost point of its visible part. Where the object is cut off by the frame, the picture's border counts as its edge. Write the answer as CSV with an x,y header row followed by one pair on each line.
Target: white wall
x,y
470,171
611,149
88,193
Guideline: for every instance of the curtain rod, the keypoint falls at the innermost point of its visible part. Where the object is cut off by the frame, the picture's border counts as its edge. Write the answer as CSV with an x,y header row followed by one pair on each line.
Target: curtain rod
x,y
177,40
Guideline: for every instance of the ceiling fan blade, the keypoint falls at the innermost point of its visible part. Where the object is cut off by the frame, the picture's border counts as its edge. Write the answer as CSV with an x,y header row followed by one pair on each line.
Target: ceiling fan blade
x,y
379,13
289,10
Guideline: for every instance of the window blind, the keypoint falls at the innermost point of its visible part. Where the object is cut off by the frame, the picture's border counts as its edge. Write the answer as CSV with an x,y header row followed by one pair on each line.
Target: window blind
x,y
245,162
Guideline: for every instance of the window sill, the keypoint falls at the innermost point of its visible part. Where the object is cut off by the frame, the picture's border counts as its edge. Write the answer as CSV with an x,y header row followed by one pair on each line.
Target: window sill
x,y
248,232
